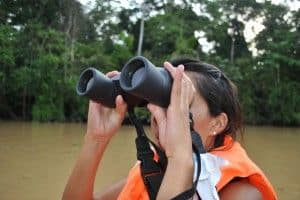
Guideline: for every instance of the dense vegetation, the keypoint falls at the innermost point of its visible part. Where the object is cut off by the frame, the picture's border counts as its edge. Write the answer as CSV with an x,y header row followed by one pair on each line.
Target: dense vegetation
x,y
44,45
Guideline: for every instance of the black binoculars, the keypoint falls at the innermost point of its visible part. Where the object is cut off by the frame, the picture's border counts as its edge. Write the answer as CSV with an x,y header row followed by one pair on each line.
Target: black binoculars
x,y
140,82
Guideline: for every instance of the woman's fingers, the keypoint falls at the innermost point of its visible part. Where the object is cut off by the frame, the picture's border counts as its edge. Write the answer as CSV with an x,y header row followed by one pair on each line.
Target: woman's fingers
x,y
95,106
177,74
184,95
170,68
188,91
112,74
182,89
121,106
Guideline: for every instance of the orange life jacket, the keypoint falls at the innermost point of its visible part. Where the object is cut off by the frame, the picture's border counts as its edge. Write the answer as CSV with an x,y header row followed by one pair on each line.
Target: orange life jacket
x,y
238,166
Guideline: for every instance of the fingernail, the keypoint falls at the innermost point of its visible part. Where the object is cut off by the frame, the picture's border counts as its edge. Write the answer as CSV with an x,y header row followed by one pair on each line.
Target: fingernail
x,y
181,67
149,106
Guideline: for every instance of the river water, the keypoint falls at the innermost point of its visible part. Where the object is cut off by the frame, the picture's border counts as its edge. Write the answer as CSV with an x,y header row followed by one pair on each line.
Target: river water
x,y
36,159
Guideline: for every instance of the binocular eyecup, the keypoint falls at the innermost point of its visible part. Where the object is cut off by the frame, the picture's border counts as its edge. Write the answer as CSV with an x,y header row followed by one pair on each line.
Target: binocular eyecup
x,y
139,82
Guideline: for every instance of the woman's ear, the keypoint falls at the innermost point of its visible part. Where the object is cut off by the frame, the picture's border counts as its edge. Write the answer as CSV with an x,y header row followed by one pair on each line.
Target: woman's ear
x,y
220,123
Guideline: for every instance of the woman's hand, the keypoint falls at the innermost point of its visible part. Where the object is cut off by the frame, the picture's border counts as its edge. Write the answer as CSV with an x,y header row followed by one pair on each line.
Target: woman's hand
x,y
173,123
174,135
103,122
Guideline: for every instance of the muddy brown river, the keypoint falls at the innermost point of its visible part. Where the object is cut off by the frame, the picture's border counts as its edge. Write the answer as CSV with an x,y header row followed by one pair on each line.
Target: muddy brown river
x,y
36,159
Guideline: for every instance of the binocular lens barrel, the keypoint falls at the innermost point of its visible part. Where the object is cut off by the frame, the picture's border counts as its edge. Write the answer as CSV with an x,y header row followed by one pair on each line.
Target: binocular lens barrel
x,y
140,82
97,87
146,81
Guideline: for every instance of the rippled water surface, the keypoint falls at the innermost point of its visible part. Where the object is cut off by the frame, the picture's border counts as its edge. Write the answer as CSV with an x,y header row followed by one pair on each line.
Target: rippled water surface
x,y
36,159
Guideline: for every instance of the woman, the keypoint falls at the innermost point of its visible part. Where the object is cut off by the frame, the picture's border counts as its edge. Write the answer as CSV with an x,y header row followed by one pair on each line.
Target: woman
x,y
226,171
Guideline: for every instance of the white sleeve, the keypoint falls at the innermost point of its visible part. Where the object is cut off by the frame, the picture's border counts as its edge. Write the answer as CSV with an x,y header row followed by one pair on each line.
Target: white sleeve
x,y
209,176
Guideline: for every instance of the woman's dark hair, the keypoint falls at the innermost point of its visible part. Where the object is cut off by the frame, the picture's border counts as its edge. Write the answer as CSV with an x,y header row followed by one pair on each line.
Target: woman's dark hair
x,y
219,93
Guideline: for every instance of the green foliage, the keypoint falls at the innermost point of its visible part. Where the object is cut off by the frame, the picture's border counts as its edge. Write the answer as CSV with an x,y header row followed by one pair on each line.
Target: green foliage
x,y
45,45
283,103
45,109
7,39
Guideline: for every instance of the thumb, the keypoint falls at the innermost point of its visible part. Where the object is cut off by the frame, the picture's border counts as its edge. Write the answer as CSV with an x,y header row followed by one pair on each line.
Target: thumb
x,y
121,106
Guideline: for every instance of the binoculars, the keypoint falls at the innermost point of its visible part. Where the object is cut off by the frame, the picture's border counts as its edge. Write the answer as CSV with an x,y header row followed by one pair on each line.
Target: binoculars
x,y
140,82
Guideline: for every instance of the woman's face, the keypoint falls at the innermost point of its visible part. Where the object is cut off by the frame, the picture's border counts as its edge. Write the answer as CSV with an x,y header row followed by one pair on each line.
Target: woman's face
x,y
202,121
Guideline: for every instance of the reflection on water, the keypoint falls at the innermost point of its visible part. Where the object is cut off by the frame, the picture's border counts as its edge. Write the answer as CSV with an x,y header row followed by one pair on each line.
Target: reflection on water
x,y
36,159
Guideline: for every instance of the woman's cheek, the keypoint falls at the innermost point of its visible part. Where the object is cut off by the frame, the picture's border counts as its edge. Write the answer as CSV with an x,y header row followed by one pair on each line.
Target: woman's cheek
x,y
154,129
157,139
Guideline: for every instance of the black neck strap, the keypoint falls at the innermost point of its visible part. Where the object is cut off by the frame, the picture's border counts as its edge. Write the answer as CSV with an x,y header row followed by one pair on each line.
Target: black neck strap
x,y
152,171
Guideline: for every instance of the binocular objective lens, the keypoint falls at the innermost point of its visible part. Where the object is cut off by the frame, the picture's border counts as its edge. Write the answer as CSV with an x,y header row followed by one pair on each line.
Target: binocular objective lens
x,y
137,77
